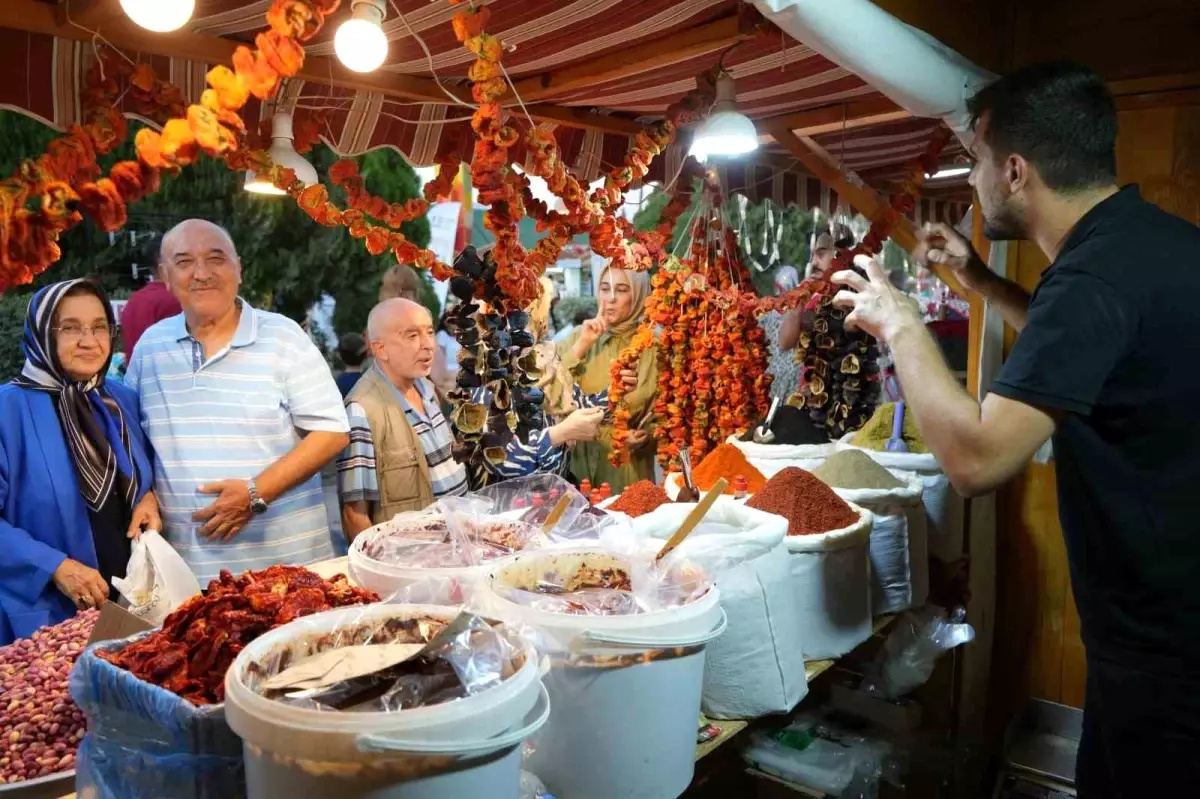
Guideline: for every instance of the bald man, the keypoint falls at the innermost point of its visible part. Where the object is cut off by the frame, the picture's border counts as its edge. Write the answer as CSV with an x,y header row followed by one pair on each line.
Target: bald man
x,y
242,411
399,458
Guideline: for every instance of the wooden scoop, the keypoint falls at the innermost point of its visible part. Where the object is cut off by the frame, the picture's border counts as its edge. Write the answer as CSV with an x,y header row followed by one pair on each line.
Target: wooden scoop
x,y
694,518
557,513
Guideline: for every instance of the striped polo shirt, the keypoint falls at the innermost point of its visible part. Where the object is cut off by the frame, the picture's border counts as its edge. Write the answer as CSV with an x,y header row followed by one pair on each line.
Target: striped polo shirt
x,y
230,417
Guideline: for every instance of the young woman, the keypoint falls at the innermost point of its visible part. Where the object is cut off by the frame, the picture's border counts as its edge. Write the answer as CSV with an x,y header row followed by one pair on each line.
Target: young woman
x,y
75,468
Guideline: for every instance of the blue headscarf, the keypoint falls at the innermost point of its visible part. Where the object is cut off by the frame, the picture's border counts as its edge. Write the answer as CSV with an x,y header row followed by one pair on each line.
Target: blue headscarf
x,y
91,419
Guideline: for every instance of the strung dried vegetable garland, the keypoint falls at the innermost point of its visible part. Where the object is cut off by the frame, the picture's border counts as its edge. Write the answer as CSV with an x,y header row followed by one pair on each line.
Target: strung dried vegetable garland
x,y
496,353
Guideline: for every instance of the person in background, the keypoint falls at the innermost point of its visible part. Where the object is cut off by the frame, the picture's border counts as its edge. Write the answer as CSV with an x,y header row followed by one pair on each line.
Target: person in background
x,y
76,476
151,303
781,362
242,412
819,263
1095,367
399,455
581,316
588,355
352,350
564,423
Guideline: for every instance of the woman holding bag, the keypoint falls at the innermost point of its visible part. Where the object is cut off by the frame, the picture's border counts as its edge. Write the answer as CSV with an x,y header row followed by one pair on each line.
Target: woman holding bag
x,y
588,355
75,468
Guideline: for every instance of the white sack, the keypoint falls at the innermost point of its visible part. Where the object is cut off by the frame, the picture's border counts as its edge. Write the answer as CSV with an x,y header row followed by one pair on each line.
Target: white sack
x,y
771,459
157,580
757,667
944,508
831,573
899,551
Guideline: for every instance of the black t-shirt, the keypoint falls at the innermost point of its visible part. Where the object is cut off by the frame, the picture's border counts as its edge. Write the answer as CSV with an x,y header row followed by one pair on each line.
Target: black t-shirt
x,y
1111,342
110,526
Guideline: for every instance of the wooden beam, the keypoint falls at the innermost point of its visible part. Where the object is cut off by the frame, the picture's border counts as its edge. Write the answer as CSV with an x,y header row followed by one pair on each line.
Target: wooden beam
x,y
843,116
582,118
635,60
39,17
1158,83
868,202
95,14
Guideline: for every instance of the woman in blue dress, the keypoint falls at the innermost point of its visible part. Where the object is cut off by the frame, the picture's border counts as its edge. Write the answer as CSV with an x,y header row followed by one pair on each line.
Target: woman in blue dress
x,y
76,474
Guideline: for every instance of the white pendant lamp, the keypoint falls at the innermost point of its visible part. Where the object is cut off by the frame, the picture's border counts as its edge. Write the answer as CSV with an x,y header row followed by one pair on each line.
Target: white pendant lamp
x,y
283,154
160,16
725,131
360,43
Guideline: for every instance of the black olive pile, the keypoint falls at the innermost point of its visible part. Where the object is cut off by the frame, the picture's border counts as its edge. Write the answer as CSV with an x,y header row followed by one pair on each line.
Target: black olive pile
x,y
840,370
497,355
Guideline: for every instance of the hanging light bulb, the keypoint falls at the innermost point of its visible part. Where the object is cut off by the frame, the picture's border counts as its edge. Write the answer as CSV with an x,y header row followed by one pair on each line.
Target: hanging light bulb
x,y
725,131
283,154
159,16
360,42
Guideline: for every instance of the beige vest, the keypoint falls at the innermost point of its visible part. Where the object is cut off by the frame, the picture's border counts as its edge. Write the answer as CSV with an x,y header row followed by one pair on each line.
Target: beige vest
x,y
400,465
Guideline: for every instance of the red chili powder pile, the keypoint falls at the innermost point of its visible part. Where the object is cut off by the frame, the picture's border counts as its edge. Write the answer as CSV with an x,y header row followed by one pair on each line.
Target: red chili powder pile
x,y
727,461
640,498
809,505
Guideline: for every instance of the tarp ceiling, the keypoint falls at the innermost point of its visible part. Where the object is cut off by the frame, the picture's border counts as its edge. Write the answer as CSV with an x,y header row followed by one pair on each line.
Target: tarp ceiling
x,y
775,75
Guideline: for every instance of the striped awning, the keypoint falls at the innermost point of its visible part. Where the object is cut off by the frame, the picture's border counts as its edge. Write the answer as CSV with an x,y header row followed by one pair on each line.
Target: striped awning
x,y
774,74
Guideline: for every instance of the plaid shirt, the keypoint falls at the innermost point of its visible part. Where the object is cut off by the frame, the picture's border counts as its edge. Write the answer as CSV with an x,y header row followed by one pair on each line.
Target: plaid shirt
x,y
357,480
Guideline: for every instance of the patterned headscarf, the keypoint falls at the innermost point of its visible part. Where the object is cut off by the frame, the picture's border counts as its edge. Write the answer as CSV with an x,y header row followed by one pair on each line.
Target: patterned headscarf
x,y
91,419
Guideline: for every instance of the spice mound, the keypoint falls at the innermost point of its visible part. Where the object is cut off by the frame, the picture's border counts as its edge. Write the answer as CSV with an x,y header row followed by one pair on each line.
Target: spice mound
x,y
878,429
851,468
197,643
387,665
809,505
792,426
640,498
41,727
727,461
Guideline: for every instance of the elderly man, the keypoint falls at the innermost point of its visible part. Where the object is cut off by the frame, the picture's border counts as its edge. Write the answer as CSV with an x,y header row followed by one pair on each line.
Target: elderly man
x,y
399,458
242,411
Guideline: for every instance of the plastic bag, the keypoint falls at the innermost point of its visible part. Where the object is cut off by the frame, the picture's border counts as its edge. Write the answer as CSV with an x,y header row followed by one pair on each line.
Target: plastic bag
x,y
912,648
822,756
157,580
145,741
531,500
461,658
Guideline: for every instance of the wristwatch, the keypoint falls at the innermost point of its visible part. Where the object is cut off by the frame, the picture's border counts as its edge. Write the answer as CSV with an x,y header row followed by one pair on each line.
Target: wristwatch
x,y
258,505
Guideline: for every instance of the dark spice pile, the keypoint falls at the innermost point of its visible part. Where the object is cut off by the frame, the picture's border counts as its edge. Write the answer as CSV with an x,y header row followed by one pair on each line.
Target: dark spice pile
x,y
640,498
852,468
809,505
792,426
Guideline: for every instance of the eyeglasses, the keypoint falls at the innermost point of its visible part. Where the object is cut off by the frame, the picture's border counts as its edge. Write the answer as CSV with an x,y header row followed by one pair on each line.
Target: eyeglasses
x,y
73,332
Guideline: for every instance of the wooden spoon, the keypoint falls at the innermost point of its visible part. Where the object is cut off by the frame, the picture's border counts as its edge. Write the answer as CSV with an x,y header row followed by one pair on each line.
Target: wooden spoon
x,y
693,519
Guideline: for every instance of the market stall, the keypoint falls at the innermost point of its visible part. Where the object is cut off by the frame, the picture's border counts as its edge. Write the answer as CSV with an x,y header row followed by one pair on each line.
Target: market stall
x,y
291,680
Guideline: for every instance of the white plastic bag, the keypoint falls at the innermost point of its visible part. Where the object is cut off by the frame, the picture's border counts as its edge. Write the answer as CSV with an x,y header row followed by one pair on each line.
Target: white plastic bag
x,y
757,667
157,580
899,549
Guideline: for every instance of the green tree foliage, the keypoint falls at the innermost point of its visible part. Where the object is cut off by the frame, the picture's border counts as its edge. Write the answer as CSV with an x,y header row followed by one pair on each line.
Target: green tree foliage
x,y
288,260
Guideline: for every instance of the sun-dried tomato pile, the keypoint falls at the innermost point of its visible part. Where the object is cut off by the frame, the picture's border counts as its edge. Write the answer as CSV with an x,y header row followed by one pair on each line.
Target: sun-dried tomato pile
x,y
197,643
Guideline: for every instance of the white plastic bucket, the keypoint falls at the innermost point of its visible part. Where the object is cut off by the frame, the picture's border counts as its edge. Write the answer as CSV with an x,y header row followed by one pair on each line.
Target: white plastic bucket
x,y
626,699
448,586
467,748
832,576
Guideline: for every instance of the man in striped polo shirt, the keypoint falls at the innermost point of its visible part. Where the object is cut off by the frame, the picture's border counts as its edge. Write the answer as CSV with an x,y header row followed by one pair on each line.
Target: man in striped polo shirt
x,y
399,458
242,412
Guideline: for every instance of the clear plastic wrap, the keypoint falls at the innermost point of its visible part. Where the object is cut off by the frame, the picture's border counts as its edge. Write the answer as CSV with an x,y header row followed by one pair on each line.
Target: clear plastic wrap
x,y
143,740
913,647
531,500
823,756
457,659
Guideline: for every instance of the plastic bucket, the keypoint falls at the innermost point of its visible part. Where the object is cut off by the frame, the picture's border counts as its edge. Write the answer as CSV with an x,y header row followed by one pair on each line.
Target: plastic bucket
x,y
465,748
626,693
435,586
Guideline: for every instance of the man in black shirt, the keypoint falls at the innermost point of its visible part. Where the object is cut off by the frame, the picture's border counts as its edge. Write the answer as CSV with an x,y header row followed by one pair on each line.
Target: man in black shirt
x,y
1104,365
